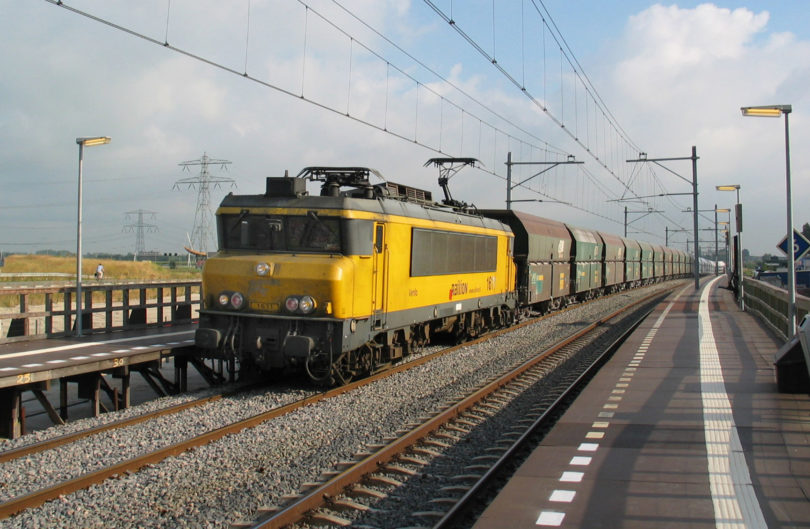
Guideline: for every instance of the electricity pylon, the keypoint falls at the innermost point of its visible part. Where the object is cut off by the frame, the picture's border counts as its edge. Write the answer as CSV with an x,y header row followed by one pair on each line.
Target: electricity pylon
x,y
139,227
202,239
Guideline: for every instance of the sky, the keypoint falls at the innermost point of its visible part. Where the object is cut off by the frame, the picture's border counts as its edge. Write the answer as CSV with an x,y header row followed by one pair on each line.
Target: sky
x,y
278,85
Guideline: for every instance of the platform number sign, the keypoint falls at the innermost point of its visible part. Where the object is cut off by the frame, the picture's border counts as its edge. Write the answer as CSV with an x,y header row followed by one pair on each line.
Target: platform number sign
x,y
800,245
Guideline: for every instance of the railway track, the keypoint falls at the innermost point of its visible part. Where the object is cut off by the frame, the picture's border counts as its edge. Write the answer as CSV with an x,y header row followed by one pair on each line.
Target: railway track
x,y
32,499
55,442
375,474
38,497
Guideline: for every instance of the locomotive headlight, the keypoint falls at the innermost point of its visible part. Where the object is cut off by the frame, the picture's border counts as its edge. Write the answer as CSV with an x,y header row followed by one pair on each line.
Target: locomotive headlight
x,y
223,299
300,304
262,269
291,303
237,300
306,304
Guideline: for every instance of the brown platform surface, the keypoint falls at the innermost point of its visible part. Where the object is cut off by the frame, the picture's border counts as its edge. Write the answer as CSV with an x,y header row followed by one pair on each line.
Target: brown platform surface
x,y
39,360
683,428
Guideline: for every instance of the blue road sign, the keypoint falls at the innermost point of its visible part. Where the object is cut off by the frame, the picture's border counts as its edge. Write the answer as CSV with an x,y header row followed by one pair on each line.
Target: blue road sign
x,y
800,245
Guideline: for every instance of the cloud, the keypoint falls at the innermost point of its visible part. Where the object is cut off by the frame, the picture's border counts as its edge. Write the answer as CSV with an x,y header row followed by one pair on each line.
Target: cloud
x,y
679,79
676,78
671,52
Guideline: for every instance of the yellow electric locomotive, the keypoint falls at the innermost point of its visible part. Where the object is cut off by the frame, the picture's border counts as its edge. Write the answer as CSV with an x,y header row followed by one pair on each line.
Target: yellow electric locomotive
x,y
345,283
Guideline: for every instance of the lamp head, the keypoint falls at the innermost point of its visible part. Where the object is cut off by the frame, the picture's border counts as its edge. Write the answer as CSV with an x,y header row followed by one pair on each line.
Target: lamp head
x,y
767,111
93,141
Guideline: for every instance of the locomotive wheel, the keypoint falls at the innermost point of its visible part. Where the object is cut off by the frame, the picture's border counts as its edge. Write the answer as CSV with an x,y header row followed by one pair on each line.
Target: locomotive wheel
x,y
342,372
318,368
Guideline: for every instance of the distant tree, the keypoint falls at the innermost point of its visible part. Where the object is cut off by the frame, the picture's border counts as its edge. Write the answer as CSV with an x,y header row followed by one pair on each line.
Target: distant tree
x,y
55,253
806,230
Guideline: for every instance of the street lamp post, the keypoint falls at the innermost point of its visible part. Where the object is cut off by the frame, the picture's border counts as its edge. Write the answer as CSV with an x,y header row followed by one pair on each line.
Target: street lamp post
x,y
716,260
775,111
716,222
83,142
738,215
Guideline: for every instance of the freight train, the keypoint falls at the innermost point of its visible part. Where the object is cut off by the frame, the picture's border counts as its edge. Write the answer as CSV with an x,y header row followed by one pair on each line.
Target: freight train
x,y
347,283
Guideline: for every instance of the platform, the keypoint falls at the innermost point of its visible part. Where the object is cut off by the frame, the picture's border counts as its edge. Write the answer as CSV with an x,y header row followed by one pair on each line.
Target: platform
x,y
682,428
33,366
26,362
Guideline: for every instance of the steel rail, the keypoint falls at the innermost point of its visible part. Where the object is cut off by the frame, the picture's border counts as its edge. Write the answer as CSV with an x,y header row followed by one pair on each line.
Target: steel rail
x,y
55,442
322,494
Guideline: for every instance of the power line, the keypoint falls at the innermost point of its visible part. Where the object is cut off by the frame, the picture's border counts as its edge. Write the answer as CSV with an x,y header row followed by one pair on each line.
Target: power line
x,y
608,136
597,96
456,87
511,78
413,139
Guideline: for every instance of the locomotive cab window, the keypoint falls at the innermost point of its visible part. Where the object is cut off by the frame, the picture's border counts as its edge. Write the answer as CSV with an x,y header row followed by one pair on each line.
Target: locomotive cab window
x,y
280,233
378,238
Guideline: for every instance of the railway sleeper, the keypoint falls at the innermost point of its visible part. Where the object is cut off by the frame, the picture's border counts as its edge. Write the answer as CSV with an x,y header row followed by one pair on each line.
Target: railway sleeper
x,y
466,477
425,451
444,501
324,517
361,491
380,480
454,489
486,457
398,469
345,504
458,429
429,514
412,460
435,442
448,436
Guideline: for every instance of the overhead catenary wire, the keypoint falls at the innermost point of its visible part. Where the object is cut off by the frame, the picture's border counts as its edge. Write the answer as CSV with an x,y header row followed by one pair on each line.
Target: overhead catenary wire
x,y
601,159
609,139
605,149
309,11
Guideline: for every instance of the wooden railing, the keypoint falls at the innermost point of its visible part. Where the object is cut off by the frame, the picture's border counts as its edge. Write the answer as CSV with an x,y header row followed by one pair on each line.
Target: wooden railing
x,y
770,303
29,313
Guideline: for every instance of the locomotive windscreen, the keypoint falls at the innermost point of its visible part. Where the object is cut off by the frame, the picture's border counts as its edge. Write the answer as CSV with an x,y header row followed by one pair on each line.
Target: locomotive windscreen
x,y
279,233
